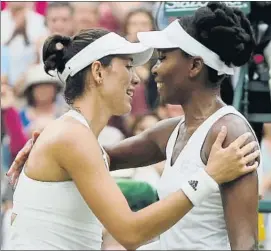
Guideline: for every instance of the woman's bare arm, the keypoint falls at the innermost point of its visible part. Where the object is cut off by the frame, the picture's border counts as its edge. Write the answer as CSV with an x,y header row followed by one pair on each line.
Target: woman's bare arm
x,y
86,167
239,197
144,149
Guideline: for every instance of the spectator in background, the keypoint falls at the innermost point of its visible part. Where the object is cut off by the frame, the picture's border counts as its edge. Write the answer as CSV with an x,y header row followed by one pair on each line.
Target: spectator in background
x,y
20,28
135,21
13,140
39,7
121,9
19,19
107,19
110,135
86,15
149,174
59,20
4,65
40,91
12,124
112,14
138,20
11,137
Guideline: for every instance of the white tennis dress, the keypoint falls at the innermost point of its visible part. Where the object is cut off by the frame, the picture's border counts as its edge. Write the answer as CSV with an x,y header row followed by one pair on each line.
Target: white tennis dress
x,y
204,227
53,215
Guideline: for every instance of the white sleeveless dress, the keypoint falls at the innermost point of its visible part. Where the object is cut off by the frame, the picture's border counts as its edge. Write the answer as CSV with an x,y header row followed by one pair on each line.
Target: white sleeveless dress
x,y
204,227
53,215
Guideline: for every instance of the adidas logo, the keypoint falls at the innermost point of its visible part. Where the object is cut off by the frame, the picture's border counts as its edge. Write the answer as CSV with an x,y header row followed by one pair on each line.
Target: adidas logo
x,y
193,184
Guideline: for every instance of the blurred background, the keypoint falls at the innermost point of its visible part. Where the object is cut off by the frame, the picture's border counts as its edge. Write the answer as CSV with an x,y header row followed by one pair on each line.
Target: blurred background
x,y
30,99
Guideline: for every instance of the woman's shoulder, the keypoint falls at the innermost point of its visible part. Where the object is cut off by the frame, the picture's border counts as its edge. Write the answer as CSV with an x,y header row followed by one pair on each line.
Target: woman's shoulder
x,y
236,126
68,131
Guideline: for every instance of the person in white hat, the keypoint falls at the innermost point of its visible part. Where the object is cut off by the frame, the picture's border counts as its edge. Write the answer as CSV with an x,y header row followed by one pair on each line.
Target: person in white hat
x,y
41,92
65,192
196,53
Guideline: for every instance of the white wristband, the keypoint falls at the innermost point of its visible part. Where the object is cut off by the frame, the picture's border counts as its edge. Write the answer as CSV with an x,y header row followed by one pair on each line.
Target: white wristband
x,y
199,186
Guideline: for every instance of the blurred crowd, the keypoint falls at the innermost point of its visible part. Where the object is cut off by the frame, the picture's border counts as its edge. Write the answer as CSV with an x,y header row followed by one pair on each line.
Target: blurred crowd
x,y
30,98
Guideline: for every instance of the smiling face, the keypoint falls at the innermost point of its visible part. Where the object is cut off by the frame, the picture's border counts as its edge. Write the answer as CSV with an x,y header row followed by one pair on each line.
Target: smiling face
x,y
119,80
172,72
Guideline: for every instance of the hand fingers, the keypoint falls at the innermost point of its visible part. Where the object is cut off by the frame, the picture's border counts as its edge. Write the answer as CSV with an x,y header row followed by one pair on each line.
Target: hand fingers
x,y
221,136
18,161
35,135
15,182
248,148
251,157
14,178
16,164
11,180
240,141
20,158
249,169
26,149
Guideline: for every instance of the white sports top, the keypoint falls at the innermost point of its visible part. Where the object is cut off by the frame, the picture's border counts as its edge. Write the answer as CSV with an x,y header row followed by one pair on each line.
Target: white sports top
x,y
53,215
204,226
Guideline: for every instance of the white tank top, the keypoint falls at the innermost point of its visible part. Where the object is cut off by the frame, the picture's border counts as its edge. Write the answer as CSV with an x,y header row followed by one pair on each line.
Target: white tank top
x,y
204,226
53,215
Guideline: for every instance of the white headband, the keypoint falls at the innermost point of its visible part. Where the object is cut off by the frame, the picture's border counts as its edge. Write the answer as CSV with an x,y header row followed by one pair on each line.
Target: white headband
x,y
109,44
174,36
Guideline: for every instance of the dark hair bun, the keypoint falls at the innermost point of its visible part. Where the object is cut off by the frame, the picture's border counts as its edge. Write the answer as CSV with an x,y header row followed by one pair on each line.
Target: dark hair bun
x,y
225,31
53,52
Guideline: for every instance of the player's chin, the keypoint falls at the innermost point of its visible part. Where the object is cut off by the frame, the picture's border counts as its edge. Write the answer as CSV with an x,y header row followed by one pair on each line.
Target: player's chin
x,y
124,109
127,108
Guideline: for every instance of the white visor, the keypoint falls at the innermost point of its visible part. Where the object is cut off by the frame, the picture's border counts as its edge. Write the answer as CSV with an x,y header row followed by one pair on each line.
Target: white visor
x,y
174,36
109,44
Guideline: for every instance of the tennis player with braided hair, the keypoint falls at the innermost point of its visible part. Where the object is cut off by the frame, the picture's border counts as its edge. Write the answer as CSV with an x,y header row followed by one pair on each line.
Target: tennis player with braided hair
x,y
196,53
192,63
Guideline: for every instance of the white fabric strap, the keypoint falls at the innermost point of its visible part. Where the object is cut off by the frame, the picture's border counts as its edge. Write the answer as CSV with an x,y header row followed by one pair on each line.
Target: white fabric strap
x,y
78,116
198,187
194,48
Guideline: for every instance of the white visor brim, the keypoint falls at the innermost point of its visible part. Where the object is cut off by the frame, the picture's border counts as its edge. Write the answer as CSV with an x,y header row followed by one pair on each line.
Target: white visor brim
x,y
109,44
174,36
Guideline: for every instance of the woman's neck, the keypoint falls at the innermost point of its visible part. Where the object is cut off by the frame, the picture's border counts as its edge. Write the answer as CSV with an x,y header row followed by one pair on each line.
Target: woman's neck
x,y
94,111
201,105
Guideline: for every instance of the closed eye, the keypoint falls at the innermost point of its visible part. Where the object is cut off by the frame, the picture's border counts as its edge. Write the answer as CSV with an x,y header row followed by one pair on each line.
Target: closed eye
x,y
129,67
161,58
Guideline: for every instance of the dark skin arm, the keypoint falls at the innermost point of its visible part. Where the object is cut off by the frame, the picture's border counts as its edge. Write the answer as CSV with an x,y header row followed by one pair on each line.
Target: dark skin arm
x,y
239,197
144,149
